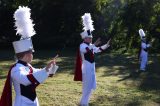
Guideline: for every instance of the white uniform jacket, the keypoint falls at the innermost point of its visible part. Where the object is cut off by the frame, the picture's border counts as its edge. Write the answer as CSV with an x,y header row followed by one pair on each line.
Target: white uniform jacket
x,y
25,79
88,64
144,49
144,55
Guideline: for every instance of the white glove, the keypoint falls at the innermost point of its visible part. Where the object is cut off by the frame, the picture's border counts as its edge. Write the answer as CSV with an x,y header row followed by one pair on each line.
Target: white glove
x,y
104,47
53,69
148,45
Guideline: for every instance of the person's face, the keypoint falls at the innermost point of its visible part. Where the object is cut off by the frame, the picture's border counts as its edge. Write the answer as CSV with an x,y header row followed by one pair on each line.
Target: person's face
x,y
29,57
88,40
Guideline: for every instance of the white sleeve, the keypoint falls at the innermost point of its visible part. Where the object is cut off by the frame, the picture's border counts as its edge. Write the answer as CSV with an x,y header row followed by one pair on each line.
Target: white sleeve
x,y
105,46
40,75
83,48
18,75
96,49
143,46
100,49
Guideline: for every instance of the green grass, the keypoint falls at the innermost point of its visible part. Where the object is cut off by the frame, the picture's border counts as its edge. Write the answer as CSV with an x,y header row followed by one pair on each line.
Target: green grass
x,y
118,84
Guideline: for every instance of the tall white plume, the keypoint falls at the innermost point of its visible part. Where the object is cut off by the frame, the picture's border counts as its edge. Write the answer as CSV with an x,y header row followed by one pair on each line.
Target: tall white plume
x,y
141,33
87,22
23,22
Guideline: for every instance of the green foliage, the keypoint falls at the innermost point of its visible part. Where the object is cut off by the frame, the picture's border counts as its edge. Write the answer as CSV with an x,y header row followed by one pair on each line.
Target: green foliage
x,y
58,22
127,17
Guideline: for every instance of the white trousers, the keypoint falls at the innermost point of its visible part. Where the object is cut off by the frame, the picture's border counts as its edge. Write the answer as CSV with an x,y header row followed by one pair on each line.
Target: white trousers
x,y
88,84
85,97
23,101
144,59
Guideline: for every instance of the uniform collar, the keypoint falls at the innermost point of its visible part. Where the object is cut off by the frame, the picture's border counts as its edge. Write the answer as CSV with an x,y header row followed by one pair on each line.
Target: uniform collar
x,y
144,41
22,62
87,43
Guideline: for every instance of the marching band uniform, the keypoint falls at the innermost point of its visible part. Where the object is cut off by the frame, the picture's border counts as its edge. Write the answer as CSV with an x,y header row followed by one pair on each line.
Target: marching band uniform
x,y
24,77
144,51
85,64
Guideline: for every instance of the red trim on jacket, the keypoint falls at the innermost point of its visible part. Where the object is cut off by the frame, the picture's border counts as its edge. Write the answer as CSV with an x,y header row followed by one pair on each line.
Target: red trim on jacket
x,y
32,79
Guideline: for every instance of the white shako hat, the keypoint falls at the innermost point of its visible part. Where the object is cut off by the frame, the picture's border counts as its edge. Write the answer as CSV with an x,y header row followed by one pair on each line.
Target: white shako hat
x,y
87,26
141,33
24,27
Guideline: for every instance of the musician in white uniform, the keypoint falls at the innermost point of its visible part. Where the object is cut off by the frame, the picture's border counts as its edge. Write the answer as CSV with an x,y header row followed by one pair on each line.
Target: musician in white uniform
x,y
144,51
87,51
24,77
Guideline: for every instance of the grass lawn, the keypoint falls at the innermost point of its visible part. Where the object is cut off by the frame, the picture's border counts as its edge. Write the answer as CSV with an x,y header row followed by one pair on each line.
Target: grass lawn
x,y
118,84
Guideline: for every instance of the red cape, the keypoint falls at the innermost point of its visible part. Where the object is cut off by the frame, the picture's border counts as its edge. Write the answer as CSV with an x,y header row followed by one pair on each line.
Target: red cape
x,y
6,98
78,68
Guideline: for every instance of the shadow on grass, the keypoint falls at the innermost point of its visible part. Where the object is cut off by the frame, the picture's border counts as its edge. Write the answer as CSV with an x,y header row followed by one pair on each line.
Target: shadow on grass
x,y
39,64
3,77
66,63
152,76
124,65
115,100
117,65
